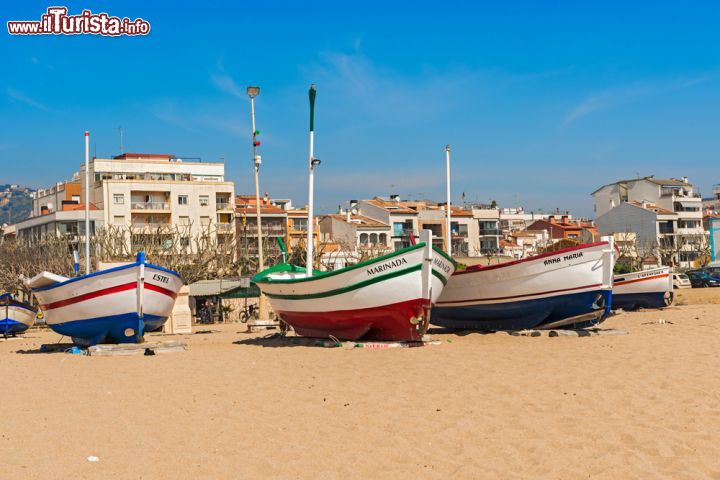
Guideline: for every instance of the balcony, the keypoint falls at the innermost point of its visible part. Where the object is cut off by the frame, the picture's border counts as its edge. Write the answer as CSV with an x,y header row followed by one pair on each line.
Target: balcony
x,y
489,232
267,230
151,206
224,206
149,227
224,227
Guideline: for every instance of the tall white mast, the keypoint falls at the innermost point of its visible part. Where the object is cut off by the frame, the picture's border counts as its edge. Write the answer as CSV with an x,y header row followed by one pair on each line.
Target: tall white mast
x,y
312,161
87,202
448,233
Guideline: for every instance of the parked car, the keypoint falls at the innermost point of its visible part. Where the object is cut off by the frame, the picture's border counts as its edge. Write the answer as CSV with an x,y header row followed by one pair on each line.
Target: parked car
x,y
702,279
680,280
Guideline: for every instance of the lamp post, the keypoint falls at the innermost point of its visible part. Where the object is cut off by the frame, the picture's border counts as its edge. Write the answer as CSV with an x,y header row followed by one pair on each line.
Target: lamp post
x,y
252,93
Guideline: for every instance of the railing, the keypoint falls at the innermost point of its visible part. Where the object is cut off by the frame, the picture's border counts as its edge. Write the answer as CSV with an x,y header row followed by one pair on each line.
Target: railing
x,y
150,206
223,206
252,230
150,226
490,231
224,227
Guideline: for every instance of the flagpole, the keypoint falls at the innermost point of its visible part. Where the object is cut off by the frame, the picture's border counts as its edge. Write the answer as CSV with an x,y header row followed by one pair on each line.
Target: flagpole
x,y
312,162
87,202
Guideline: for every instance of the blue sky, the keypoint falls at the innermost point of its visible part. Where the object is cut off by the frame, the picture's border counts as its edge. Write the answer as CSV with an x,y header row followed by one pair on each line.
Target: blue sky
x,y
541,103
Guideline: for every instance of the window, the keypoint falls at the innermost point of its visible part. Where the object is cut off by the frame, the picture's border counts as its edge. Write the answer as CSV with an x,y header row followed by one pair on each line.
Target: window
x,y
373,238
182,199
205,221
363,239
204,200
185,221
119,199
300,224
118,220
76,198
383,239
402,228
184,242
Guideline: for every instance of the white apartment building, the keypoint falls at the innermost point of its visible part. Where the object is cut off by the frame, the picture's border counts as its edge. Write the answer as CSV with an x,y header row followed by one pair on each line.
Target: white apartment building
x,y
355,232
663,212
403,220
489,231
150,193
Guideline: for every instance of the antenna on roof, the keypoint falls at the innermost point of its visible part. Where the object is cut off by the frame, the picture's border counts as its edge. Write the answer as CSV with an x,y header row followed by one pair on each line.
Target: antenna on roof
x,y
120,132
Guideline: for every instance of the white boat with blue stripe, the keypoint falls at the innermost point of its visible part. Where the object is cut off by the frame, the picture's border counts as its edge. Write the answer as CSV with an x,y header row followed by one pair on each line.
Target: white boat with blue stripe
x,y
15,316
564,288
116,305
644,289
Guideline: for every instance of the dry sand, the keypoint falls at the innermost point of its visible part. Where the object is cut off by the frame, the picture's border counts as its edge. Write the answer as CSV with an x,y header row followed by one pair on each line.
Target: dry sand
x,y
644,405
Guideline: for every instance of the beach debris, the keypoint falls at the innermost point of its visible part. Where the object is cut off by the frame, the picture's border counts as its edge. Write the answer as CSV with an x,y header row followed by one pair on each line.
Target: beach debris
x,y
75,350
659,321
93,458
583,332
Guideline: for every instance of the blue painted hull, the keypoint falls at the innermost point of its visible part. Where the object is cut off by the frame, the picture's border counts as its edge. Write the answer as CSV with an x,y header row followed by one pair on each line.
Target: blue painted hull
x,y
11,327
526,313
633,301
107,329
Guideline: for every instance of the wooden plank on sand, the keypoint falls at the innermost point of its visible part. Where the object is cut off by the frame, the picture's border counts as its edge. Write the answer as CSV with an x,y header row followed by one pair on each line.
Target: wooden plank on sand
x,y
136,348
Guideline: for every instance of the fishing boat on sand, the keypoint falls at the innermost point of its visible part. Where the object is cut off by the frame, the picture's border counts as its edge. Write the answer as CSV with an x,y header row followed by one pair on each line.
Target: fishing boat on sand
x,y
15,316
644,289
565,288
385,298
116,305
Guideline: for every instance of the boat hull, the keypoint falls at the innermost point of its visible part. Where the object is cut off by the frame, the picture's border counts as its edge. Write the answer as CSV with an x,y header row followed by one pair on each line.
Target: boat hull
x,y
566,288
645,289
382,299
104,307
16,317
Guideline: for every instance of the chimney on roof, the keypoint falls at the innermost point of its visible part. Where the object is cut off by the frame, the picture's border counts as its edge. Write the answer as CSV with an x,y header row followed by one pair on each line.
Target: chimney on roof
x,y
353,205
395,197
551,218
685,179
564,219
347,216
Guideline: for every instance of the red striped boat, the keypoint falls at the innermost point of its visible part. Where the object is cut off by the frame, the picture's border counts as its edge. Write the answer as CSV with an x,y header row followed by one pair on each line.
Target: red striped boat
x,y
570,287
116,305
644,289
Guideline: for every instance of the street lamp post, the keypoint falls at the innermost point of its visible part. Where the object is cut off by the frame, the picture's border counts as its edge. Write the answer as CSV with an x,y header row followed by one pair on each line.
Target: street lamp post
x,y
252,93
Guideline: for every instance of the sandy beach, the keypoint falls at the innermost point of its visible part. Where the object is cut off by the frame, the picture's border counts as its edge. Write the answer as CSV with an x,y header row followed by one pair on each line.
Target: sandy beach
x,y
643,405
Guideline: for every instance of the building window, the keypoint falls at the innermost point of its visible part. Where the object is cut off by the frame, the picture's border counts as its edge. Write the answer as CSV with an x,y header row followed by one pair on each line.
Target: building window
x,y
383,238
185,221
300,224
373,238
204,200
205,221
119,199
182,199
185,242
118,220
363,239
401,228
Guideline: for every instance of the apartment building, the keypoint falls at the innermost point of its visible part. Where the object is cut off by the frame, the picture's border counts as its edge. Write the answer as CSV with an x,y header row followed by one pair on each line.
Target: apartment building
x,y
57,211
565,229
711,205
274,222
666,213
150,193
489,229
402,219
356,232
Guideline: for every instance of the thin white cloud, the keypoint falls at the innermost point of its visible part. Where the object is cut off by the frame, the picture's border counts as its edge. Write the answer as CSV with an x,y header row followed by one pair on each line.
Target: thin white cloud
x,y
619,96
23,98
227,84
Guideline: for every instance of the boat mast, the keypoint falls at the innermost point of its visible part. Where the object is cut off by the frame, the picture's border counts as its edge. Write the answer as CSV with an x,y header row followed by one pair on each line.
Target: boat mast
x,y
87,202
313,161
448,212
